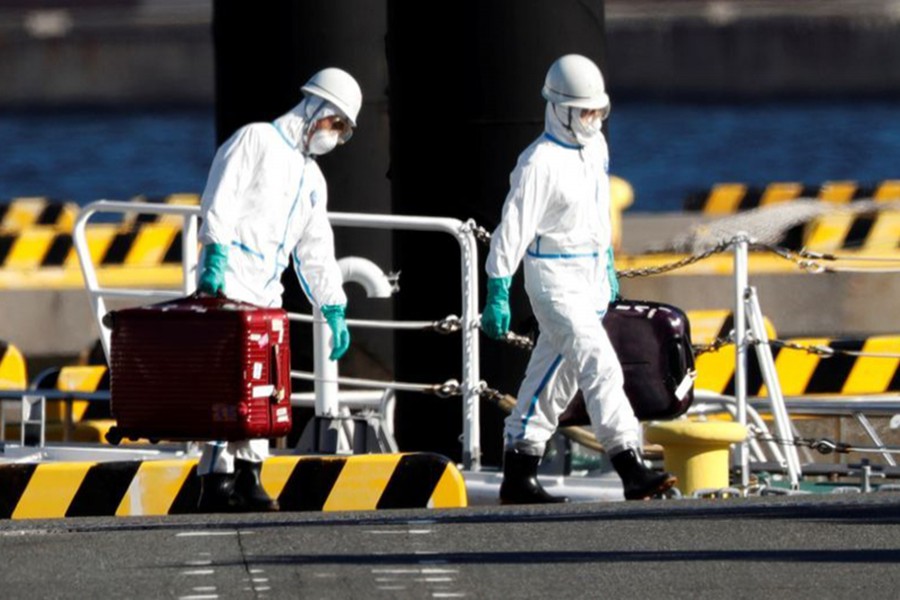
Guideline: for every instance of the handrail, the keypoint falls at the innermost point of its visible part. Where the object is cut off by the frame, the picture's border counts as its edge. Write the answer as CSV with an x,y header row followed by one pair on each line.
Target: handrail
x,y
468,272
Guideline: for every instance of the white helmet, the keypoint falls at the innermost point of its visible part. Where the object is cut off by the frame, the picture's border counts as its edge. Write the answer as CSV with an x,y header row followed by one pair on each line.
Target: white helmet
x,y
575,81
338,87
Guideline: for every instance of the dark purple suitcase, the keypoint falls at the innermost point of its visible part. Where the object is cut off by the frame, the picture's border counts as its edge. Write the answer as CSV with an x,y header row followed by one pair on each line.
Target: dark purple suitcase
x,y
653,343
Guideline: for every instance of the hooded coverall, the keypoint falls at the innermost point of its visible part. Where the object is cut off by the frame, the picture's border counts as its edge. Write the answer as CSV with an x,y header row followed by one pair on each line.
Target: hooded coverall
x,y
556,218
266,200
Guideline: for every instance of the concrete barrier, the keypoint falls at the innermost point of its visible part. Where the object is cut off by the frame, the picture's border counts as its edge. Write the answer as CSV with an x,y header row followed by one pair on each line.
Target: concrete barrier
x,y
163,487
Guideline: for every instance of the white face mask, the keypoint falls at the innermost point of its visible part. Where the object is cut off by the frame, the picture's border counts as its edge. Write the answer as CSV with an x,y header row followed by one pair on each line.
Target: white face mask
x,y
323,142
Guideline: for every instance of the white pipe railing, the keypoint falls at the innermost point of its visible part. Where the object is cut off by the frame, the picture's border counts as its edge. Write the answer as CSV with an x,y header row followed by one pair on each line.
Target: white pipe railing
x,y
468,272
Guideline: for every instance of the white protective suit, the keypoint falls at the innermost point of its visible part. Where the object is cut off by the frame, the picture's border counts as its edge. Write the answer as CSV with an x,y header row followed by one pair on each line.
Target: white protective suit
x,y
557,218
266,199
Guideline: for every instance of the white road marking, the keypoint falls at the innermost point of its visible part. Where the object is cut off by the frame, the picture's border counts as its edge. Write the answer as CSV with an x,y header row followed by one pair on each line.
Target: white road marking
x,y
262,588
448,595
198,563
255,571
434,579
199,572
259,579
416,571
438,571
399,531
391,587
210,533
204,588
199,597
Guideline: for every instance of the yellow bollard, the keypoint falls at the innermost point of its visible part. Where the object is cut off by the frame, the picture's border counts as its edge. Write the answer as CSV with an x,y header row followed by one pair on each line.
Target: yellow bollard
x,y
697,452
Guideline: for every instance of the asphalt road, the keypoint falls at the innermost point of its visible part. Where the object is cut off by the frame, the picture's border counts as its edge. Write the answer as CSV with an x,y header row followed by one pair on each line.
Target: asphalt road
x,y
837,546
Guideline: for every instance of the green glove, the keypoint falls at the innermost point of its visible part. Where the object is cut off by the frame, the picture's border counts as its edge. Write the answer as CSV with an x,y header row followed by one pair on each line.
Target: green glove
x,y
334,316
212,277
611,275
495,318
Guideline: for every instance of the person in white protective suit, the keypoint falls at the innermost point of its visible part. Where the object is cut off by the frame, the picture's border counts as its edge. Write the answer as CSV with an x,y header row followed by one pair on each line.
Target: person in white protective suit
x,y
557,219
265,201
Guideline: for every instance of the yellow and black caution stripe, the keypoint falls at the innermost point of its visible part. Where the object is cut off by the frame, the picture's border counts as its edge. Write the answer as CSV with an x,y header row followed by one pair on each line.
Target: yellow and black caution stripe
x,y
707,326
22,213
144,245
164,487
870,232
803,373
13,375
171,199
729,198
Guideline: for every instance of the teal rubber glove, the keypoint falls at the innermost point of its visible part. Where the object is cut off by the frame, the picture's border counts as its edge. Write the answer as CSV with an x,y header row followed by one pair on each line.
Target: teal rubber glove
x,y
212,277
611,275
334,316
495,318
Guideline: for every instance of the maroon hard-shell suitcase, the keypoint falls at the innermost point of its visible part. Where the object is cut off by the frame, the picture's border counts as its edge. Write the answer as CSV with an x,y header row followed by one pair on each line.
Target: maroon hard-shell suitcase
x,y
200,368
653,343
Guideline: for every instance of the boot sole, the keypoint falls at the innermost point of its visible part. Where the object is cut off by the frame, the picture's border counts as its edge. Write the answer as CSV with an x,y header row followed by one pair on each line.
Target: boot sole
x,y
662,487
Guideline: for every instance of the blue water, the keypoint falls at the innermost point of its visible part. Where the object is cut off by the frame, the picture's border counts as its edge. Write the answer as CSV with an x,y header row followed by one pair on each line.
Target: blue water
x,y
665,150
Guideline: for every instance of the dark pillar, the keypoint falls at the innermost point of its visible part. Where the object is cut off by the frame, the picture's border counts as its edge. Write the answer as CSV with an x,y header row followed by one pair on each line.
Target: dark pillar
x,y
264,53
465,81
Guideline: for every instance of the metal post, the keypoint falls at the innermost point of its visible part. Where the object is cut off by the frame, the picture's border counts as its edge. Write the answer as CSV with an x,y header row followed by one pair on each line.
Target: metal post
x,y
741,282
770,376
327,404
189,245
471,355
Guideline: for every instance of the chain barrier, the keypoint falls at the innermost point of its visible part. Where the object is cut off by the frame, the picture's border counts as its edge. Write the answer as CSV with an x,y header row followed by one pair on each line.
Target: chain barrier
x,y
678,264
827,446
449,324
448,389
481,234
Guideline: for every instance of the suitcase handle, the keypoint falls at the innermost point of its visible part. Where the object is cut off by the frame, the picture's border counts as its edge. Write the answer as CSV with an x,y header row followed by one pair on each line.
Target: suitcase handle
x,y
274,374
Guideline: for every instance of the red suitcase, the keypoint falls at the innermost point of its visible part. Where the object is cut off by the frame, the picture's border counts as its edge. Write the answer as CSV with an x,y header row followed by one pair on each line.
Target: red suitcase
x,y
653,343
200,368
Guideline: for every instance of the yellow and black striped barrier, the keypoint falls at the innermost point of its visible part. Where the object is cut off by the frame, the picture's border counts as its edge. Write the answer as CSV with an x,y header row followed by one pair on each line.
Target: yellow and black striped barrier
x,y
874,232
21,213
729,198
804,373
166,487
708,326
144,245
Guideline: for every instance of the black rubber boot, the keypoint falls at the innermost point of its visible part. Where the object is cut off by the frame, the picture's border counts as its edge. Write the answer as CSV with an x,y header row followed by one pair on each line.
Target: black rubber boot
x,y
639,481
248,489
217,493
520,483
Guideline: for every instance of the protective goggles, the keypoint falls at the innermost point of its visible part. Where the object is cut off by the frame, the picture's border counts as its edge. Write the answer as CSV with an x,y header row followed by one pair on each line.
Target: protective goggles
x,y
591,114
339,124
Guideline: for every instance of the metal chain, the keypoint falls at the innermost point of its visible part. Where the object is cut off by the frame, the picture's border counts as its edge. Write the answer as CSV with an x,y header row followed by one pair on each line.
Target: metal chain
x,y
801,260
678,264
714,346
449,324
827,446
481,234
449,388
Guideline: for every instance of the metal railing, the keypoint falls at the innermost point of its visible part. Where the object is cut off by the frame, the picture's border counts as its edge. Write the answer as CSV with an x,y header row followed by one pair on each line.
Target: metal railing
x,y
469,387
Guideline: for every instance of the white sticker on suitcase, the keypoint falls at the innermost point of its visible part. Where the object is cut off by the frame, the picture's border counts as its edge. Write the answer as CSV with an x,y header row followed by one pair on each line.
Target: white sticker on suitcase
x,y
686,384
281,414
257,370
263,391
278,325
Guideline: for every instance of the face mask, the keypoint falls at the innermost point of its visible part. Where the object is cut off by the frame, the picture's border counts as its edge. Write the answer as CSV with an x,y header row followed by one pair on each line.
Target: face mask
x,y
323,142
